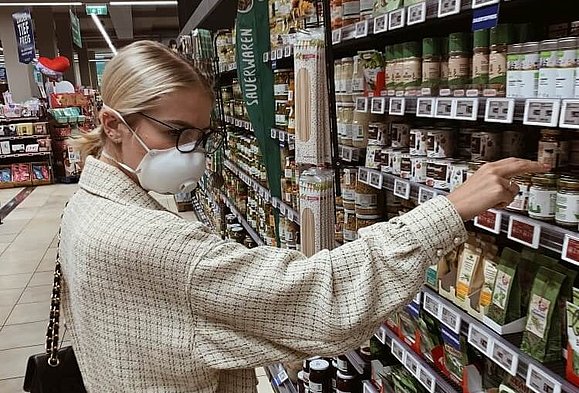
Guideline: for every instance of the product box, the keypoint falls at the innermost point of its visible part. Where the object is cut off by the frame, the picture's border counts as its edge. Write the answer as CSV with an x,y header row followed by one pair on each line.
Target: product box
x,y
44,144
4,147
24,129
40,129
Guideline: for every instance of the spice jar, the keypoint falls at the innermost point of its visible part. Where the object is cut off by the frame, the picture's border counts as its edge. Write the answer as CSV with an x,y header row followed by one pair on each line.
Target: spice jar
x,y
553,149
360,129
363,221
547,69
378,134
567,205
412,73
458,61
430,66
566,62
521,201
500,37
319,376
543,197
480,60
418,142
400,133
367,199
350,232
418,174
440,143
281,83
514,67
485,146
347,124
345,383
529,74
513,143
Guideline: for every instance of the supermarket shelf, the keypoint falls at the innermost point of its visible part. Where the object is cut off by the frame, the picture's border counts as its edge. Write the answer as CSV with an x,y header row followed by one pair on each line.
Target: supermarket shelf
x,y
239,123
252,233
4,120
501,351
279,379
282,136
16,137
368,387
285,52
552,237
199,212
356,361
422,371
284,209
18,155
227,67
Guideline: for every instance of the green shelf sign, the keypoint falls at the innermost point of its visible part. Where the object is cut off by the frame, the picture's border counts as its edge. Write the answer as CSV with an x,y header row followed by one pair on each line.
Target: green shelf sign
x,y
100,9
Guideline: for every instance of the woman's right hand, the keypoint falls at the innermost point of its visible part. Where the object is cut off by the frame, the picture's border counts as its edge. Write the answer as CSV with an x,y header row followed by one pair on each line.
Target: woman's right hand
x,y
491,186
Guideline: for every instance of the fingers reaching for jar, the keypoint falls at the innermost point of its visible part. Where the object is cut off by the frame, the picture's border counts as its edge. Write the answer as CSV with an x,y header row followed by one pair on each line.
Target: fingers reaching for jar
x,y
491,186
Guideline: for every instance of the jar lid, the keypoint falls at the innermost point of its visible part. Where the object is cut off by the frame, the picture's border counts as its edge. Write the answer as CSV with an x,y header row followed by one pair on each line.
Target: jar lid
x,y
277,71
481,38
411,49
430,46
569,182
515,48
319,365
530,47
550,131
548,179
548,45
343,375
457,42
501,34
368,216
567,43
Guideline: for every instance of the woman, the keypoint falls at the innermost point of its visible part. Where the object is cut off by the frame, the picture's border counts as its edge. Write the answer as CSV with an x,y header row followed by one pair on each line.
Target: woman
x,y
159,304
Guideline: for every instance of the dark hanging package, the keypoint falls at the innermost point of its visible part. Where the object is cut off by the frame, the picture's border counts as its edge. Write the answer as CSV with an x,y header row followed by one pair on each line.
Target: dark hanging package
x,y
506,301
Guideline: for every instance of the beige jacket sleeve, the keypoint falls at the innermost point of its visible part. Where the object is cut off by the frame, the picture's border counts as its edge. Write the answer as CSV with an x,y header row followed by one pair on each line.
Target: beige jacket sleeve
x,y
262,305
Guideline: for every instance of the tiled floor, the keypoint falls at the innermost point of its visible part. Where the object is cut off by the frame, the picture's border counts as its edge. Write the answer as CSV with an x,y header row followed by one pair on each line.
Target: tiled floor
x,y
27,254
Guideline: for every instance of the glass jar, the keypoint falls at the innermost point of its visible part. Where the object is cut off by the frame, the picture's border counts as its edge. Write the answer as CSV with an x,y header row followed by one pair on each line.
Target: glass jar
x,y
363,221
405,166
418,142
567,210
566,63
411,74
430,66
458,61
438,173
400,133
389,69
348,184
543,197
513,143
350,233
464,145
319,376
500,37
378,134
345,383
444,69
347,75
367,199
348,122
514,67
520,203
553,149
357,75
338,77
281,114
440,143
351,10
486,146
547,69
360,129
529,74
281,83
480,60
418,174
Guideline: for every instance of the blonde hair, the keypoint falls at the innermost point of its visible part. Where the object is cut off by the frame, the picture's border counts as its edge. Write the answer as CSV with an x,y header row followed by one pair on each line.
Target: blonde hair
x,y
134,81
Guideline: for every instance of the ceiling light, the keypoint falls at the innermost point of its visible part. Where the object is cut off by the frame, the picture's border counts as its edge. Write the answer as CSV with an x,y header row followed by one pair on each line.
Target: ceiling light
x,y
144,2
104,33
38,4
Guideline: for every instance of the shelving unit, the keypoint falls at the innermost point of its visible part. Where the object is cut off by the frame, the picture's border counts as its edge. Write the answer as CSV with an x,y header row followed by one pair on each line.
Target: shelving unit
x,y
279,379
251,231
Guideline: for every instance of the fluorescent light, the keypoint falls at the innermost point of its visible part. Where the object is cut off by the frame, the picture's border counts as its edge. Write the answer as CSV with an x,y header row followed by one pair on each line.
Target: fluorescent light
x,y
38,4
144,2
104,33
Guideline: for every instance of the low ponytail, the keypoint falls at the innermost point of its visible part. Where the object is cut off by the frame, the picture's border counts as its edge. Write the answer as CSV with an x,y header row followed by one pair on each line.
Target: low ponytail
x,y
90,143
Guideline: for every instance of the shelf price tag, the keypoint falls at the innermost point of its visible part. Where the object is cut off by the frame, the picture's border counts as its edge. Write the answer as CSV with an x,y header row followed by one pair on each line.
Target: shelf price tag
x,y
402,188
539,382
376,179
431,305
466,109
571,249
411,365
425,194
274,133
416,14
490,220
398,351
425,107
479,339
448,7
363,175
287,51
361,29
336,36
362,104
505,357
499,110
524,232
450,318
483,3
378,105
347,154
396,19
397,106
445,108
282,209
273,55
381,24
427,380
381,335
282,377
569,114
542,112
281,135
279,53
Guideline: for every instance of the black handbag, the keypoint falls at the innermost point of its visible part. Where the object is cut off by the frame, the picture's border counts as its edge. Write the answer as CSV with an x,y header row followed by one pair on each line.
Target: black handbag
x,y
56,370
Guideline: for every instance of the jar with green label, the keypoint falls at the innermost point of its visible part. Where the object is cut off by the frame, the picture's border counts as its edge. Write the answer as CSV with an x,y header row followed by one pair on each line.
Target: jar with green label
x,y
500,37
567,210
480,60
547,69
521,201
514,67
566,63
444,70
411,74
543,197
430,66
458,61
389,69
529,73
398,67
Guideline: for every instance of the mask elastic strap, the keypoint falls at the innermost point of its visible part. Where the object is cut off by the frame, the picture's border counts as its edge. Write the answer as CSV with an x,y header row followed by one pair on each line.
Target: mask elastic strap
x,y
121,118
124,166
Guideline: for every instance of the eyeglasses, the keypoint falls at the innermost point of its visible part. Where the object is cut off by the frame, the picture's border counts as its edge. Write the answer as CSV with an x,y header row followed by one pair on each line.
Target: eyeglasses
x,y
190,139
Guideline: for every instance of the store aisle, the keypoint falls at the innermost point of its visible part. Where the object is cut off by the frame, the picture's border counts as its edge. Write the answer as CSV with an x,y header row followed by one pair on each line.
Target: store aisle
x,y
27,253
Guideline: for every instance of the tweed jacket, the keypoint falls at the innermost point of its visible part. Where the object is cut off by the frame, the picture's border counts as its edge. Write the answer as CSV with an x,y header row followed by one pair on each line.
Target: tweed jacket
x,y
156,303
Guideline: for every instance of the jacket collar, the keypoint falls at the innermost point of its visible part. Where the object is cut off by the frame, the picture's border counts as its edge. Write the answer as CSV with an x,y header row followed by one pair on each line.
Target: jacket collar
x,y
107,181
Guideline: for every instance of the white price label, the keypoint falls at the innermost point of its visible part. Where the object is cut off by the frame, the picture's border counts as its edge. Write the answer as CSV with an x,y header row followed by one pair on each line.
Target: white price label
x,y
336,36
571,249
347,154
416,14
431,305
425,107
542,112
569,114
279,53
505,357
282,377
287,51
266,57
418,298
398,351
479,339
499,110
425,194
466,109
378,105
397,106
381,24
281,135
362,29
363,175
402,188
483,3
445,108
381,335
450,318
411,364
273,55
282,209
448,7
267,196
375,179
524,232
539,382
362,104
274,133
490,220
427,380
396,19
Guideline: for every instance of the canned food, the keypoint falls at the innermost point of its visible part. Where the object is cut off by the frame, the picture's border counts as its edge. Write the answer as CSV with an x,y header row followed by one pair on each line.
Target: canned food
x,y
418,142
400,135
438,174
485,146
405,166
440,143
418,174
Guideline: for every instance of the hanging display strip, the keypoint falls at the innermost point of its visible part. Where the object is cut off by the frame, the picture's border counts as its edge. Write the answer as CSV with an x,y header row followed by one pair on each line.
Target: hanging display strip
x,y
283,136
498,349
279,379
252,233
284,209
200,213
246,125
283,52
227,67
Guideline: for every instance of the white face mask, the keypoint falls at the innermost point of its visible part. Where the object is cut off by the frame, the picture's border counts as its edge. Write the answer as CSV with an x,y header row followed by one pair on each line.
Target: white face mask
x,y
166,171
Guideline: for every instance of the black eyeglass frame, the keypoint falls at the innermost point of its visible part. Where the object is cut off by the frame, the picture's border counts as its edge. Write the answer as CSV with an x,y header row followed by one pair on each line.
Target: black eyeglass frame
x,y
207,133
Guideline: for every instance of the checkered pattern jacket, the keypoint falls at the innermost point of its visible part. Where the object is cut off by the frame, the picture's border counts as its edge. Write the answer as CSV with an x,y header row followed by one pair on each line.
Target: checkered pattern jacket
x,y
159,304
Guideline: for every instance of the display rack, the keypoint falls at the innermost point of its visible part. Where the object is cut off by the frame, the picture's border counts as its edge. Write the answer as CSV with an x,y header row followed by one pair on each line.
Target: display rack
x,y
279,379
251,231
